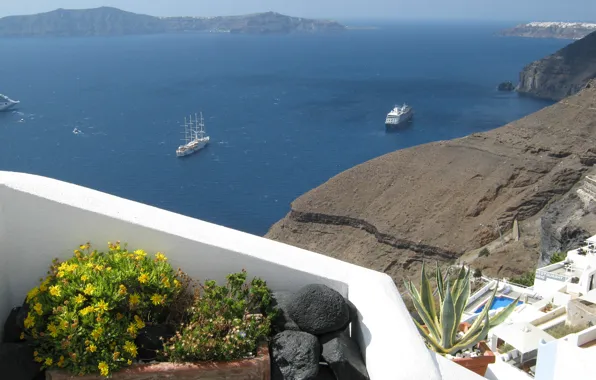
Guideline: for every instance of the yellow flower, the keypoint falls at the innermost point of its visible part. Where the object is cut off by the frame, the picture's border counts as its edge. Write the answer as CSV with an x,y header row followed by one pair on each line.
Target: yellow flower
x,y
139,322
143,278
22,336
80,298
89,289
44,285
102,306
38,359
49,361
130,348
129,362
99,268
103,368
61,361
176,283
122,290
29,321
38,308
119,316
72,267
35,353
160,257
87,310
97,333
115,356
156,299
166,282
55,291
140,253
92,348
32,293
60,274
133,299
132,329
53,330
63,266
84,278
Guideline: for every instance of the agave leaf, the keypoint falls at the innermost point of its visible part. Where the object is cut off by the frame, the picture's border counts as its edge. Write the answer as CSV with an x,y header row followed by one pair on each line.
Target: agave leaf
x,y
460,281
448,322
436,346
426,296
502,315
440,284
422,312
471,339
460,304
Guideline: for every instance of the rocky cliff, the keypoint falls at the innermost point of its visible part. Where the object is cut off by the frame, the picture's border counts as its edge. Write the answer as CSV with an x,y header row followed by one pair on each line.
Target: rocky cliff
x,y
563,30
563,73
111,21
445,200
259,23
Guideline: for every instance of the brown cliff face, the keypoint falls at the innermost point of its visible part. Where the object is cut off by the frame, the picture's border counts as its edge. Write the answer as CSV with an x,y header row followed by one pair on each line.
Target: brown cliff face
x,y
439,200
562,74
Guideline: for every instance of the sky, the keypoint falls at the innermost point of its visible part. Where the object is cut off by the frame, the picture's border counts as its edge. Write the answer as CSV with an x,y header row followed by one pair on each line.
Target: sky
x,y
493,10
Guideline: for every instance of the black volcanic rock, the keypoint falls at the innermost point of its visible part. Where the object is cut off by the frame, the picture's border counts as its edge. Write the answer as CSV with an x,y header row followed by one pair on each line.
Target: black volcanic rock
x,y
282,321
16,362
106,21
343,356
506,86
318,309
564,73
295,356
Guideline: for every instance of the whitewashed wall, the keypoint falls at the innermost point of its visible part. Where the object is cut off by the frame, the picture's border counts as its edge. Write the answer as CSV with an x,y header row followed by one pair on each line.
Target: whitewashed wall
x,y
45,218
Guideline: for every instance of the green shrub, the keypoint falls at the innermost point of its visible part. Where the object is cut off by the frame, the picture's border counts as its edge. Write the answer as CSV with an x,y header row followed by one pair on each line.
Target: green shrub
x,y
526,279
484,252
557,257
86,314
224,323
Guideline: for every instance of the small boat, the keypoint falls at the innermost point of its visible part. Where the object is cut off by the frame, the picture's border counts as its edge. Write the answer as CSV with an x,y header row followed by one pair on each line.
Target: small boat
x,y
77,131
399,116
194,137
7,103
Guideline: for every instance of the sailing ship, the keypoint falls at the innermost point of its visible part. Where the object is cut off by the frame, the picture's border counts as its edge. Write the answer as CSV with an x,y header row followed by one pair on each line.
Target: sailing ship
x,y
194,136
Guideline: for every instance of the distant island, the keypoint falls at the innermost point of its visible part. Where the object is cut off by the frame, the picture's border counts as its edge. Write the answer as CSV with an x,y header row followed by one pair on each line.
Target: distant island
x,y
563,30
107,21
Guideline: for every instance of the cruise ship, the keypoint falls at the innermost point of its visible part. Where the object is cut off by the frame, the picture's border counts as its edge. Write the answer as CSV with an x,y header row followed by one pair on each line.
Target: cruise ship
x,y
399,116
194,136
7,103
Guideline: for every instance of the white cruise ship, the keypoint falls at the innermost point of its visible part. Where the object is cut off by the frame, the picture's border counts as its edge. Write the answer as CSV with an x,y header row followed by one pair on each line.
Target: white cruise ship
x,y
194,137
7,103
399,116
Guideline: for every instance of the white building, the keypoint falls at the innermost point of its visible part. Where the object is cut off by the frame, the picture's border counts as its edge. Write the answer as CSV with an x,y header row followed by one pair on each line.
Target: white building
x,y
41,218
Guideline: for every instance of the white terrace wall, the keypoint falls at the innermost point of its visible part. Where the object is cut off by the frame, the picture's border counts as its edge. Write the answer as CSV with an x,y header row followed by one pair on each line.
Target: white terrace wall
x,y
45,218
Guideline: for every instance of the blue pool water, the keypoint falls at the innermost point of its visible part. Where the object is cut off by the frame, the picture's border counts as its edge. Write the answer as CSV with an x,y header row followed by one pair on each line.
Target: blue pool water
x,y
498,303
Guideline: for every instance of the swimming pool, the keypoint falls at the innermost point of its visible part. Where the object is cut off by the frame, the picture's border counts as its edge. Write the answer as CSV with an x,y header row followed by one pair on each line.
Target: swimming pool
x,y
498,303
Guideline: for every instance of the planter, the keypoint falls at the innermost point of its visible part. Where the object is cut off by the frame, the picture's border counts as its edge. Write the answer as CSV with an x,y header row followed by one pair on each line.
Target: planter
x,y
478,364
257,368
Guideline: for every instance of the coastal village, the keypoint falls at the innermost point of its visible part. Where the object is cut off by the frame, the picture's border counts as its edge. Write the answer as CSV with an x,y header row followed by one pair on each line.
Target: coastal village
x,y
463,259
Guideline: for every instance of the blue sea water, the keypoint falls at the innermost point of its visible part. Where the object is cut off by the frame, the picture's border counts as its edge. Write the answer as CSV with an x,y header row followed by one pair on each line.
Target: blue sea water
x,y
285,113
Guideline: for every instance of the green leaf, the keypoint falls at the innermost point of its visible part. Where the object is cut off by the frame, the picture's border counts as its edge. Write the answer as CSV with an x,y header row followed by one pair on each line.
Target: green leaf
x,y
448,322
461,303
422,312
440,284
471,339
426,296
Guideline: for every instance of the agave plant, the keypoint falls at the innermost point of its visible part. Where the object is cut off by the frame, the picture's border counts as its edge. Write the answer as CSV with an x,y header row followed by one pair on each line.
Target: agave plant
x,y
441,322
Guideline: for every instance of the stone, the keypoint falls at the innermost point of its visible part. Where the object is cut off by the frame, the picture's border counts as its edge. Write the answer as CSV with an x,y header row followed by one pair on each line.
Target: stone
x,y
22,315
506,86
318,309
16,362
12,330
295,356
149,340
343,356
282,321
325,373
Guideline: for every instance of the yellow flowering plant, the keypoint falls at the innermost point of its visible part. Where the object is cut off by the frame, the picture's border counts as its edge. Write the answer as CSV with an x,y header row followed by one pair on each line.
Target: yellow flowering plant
x,y
85,315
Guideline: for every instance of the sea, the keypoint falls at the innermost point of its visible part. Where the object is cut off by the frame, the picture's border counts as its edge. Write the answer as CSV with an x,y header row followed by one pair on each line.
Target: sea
x,y
284,113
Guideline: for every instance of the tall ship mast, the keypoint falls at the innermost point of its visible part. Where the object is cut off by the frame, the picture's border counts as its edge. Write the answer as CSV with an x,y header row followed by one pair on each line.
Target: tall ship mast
x,y
194,136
